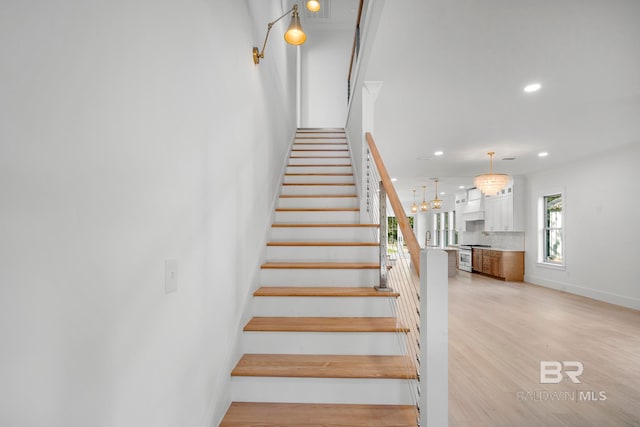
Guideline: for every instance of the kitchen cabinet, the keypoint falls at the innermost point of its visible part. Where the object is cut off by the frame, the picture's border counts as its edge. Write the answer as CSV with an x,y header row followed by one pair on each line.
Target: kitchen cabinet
x,y
506,265
505,211
476,260
461,205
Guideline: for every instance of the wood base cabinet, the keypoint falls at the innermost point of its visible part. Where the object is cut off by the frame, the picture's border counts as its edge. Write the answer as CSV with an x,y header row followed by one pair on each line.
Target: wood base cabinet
x,y
506,265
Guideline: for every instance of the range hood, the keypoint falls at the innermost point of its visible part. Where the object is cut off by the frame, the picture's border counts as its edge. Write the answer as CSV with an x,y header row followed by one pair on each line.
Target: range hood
x,y
474,209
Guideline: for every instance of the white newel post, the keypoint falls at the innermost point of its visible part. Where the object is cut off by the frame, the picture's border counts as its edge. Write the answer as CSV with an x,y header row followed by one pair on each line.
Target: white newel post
x,y
434,338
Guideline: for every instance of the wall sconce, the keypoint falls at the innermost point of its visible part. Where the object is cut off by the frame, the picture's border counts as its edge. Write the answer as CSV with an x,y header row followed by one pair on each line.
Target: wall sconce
x,y
294,35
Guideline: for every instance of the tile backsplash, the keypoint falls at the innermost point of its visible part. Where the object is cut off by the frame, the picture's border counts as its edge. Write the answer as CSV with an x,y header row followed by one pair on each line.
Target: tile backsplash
x,y
503,239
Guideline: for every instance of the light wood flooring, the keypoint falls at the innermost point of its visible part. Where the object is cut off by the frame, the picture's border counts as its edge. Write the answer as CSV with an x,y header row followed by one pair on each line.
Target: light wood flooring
x,y
500,331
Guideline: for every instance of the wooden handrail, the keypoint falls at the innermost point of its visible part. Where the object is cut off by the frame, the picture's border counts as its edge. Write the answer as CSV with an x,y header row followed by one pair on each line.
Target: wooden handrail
x,y
355,39
401,216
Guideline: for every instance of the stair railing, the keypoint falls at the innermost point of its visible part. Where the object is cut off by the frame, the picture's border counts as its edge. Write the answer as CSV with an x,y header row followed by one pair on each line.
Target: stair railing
x,y
420,308
398,271
355,49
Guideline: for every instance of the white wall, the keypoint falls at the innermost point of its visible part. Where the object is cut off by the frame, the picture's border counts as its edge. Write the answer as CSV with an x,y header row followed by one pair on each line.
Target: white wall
x,y
132,132
325,64
601,227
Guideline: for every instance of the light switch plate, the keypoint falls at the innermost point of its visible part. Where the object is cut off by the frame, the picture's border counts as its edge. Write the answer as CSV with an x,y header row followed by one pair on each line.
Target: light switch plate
x,y
170,276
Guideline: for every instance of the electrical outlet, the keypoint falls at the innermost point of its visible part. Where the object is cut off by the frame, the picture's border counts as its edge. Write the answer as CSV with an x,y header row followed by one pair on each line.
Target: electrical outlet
x,y
170,276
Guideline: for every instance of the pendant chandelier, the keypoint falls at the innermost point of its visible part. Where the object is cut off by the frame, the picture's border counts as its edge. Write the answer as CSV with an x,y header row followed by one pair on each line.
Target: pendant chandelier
x,y
436,203
414,207
424,206
491,183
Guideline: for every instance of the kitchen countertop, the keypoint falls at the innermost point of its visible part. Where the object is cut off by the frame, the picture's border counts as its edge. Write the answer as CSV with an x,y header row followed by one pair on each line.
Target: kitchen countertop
x,y
502,249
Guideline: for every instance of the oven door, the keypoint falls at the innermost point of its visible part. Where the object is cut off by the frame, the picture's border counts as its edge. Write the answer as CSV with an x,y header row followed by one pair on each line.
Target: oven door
x,y
464,260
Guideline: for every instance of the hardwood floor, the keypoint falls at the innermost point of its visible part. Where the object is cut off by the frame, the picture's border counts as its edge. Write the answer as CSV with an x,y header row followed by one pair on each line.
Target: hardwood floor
x,y
500,331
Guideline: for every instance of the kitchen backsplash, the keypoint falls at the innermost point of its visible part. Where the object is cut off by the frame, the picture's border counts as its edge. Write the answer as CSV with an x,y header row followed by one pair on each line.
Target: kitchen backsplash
x,y
503,239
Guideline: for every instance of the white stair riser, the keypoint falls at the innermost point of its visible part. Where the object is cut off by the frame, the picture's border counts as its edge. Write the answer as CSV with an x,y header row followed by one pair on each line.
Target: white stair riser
x,y
321,217
321,277
323,306
356,343
324,234
323,179
312,137
319,169
317,189
318,202
323,253
322,390
320,161
319,153
320,145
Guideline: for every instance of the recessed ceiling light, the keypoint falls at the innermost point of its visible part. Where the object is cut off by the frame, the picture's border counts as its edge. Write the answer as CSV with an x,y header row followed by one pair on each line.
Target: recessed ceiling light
x,y
543,154
461,187
438,153
394,179
442,193
533,87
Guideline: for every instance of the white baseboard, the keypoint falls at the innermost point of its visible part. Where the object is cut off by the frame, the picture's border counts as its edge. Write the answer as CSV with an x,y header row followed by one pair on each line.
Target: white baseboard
x,y
621,300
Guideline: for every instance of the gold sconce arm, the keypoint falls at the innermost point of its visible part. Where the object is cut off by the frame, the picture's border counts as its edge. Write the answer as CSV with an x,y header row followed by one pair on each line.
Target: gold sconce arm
x,y
294,35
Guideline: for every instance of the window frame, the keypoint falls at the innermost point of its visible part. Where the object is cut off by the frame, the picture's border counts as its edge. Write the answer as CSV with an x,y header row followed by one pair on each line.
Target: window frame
x,y
543,229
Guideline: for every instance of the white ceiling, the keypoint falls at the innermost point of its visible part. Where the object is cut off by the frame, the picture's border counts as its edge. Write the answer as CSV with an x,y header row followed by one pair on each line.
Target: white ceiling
x,y
453,74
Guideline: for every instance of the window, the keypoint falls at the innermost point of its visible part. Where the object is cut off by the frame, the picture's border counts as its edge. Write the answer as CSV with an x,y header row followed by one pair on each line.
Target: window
x,y
553,230
444,229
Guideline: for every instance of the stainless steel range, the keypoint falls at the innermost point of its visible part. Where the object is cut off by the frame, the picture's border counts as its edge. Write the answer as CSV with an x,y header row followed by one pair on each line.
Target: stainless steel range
x,y
465,256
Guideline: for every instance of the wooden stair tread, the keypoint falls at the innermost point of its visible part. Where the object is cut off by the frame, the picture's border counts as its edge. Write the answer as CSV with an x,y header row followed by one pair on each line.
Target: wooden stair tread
x,y
318,415
321,149
322,137
317,209
321,291
316,196
372,244
324,324
315,184
318,174
321,142
333,165
322,265
323,366
322,224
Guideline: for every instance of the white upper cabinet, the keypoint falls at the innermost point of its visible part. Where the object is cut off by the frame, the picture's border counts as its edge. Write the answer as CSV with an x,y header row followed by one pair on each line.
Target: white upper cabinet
x,y
461,205
505,211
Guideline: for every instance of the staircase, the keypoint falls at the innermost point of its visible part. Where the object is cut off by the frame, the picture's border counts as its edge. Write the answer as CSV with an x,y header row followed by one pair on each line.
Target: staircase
x,y
324,347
